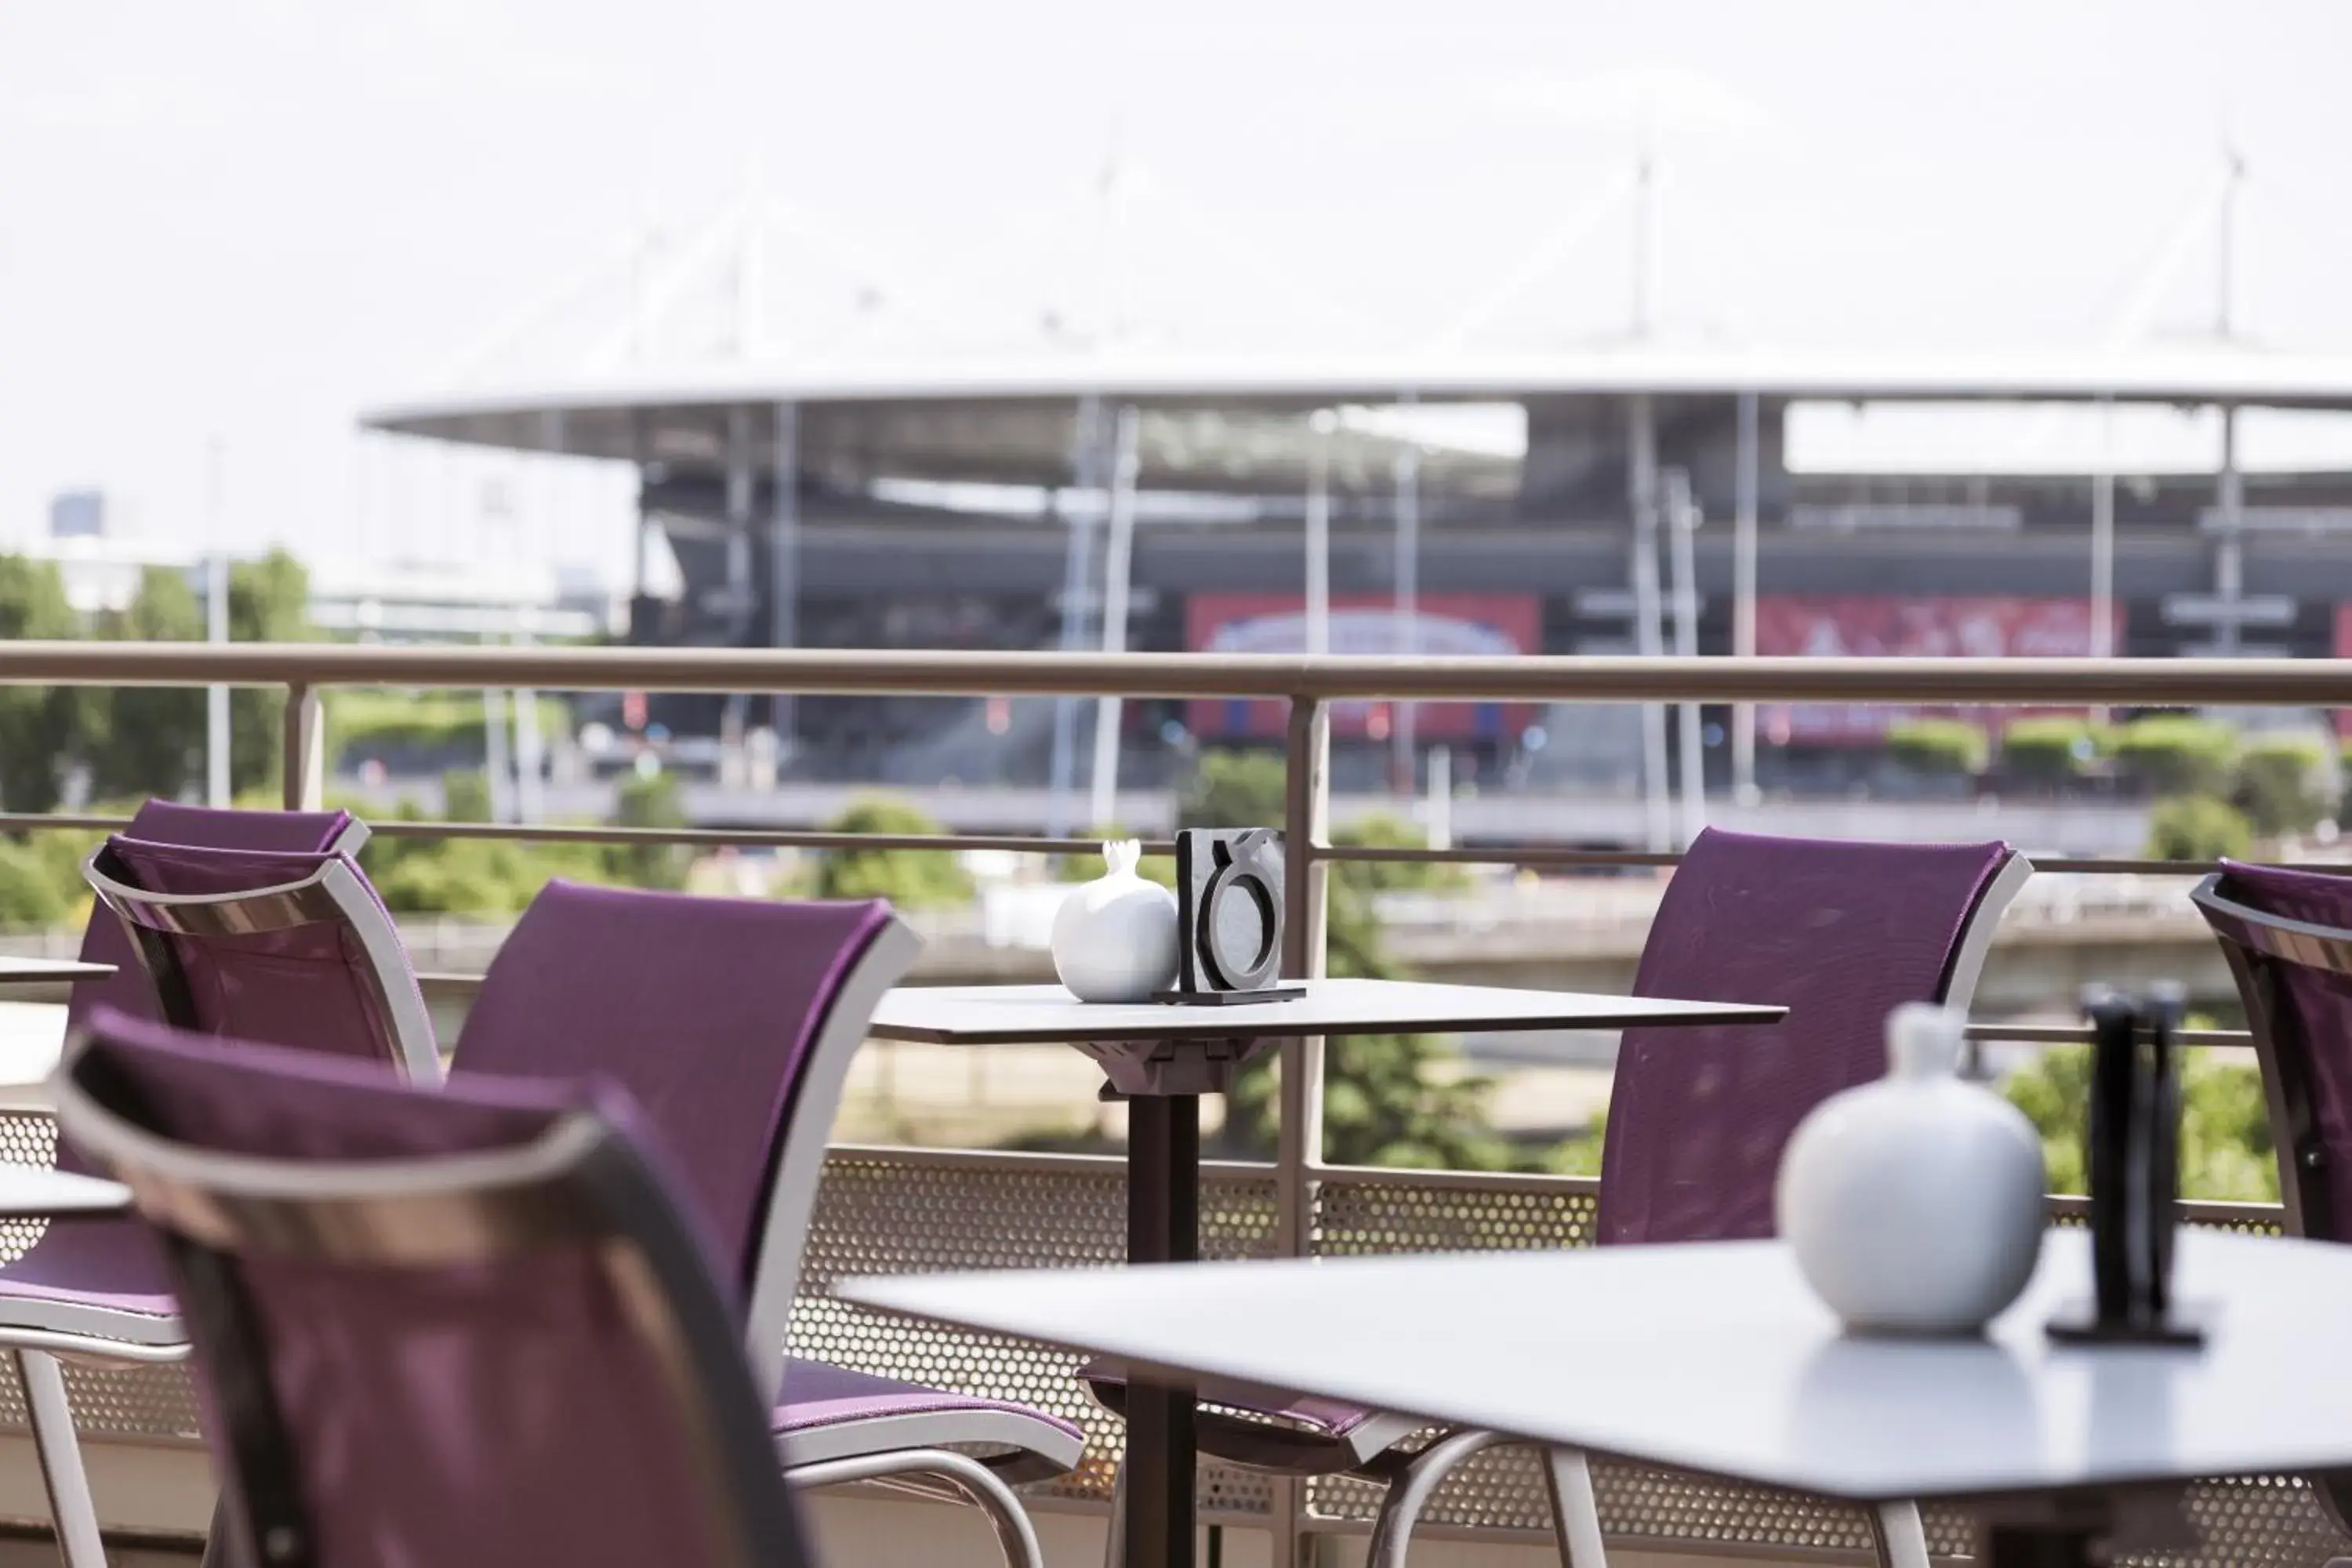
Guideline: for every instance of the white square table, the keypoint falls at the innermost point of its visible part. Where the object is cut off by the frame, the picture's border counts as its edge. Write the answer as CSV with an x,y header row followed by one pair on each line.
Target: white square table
x,y
1163,1058
1715,1357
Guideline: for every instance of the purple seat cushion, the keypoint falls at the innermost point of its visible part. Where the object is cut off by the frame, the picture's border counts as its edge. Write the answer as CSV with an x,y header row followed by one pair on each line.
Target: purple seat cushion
x,y
817,1394
1840,934
1326,1418
104,1263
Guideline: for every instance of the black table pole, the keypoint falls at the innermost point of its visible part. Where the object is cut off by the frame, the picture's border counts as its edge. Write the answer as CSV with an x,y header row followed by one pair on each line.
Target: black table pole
x,y
1163,1225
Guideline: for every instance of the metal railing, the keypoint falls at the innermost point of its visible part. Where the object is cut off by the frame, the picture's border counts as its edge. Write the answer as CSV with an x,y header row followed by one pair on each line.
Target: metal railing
x,y
1308,685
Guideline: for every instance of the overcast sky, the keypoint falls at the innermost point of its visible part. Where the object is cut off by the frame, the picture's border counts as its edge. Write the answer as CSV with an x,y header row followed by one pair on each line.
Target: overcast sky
x,y
248,219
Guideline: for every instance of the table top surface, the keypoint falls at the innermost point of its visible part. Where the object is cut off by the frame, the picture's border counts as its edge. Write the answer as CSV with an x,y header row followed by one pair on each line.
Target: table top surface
x,y
1031,1014
48,971
1716,1357
32,1192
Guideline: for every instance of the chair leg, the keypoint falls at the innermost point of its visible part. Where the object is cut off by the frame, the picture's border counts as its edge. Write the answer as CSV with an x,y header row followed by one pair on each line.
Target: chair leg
x,y
974,1482
1575,1511
51,1418
1899,1534
225,1541
1410,1492
1115,1543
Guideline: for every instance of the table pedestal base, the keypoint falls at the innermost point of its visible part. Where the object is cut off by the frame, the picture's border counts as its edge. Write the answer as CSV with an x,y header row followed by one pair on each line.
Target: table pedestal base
x,y
1163,1225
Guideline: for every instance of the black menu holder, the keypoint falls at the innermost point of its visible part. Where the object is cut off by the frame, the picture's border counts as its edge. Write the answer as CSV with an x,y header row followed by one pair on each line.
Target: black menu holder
x,y
2132,1146
1229,918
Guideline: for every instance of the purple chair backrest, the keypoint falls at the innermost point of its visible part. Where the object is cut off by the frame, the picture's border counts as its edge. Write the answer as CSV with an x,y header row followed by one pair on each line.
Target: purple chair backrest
x,y
1840,934
128,990
466,1329
2288,938
291,948
730,1023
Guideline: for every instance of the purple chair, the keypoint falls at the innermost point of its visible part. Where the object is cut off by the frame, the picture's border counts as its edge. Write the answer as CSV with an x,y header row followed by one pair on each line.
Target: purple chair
x,y
733,1022
2287,936
285,947
95,1289
1840,934
466,1329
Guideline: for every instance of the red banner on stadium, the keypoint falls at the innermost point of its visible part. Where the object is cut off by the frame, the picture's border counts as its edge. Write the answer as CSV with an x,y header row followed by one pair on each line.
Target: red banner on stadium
x,y
1887,627
1448,624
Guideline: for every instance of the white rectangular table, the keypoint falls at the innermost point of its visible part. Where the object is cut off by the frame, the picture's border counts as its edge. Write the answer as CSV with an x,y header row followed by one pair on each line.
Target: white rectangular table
x,y
1715,1357
1164,1059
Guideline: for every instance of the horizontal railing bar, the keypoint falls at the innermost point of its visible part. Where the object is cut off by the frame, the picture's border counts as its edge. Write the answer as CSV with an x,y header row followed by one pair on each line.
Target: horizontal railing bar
x,y
2080,1034
2041,682
751,838
60,822
1017,1161
1024,844
1562,855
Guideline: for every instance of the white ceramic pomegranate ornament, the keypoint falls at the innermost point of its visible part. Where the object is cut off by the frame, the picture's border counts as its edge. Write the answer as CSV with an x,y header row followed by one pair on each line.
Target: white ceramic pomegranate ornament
x,y
1915,1205
1115,938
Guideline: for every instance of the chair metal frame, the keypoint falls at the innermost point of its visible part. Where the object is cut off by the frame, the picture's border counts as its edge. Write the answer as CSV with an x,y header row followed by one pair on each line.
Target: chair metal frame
x,y
2258,948
577,1183
908,1452
1370,1451
37,1332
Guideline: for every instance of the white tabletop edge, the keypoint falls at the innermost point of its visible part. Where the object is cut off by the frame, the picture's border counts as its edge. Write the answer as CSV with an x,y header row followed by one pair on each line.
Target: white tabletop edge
x,y
2283,1422
1044,1015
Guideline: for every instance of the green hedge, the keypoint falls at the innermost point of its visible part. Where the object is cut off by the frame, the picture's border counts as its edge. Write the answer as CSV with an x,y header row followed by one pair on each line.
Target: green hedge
x,y
2050,750
1940,747
2176,753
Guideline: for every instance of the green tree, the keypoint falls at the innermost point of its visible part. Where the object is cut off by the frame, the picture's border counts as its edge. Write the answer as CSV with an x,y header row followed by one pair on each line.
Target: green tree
x,y
2196,827
39,725
2226,1151
650,803
150,738
2282,783
268,600
911,878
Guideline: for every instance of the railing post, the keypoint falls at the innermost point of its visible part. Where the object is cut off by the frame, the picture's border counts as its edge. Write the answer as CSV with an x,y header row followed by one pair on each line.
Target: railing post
x,y
1307,832
305,777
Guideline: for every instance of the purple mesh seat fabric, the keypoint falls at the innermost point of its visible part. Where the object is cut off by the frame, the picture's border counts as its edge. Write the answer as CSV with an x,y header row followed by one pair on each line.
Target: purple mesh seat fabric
x,y
312,985
703,1009
818,1393
709,1012
563,1387
1840,934
2299,1002
104,940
